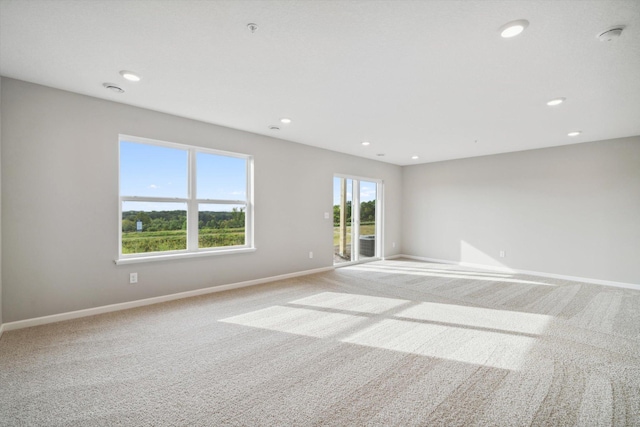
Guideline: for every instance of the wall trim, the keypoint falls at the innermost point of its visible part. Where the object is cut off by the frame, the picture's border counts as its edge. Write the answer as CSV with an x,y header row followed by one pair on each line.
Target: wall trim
x,y
27,323
532,273
1,329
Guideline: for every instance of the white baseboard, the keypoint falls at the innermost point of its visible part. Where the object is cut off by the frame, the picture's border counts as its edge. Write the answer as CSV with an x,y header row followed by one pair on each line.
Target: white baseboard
x,y
532,273
10,326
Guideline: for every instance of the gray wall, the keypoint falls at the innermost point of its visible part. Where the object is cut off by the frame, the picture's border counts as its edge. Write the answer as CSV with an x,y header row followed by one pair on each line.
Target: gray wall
x,y
60,203
569,210
572,210
0,203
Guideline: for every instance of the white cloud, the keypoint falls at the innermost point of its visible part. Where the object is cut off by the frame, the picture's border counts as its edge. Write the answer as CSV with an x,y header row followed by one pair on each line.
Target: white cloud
x,y
153,186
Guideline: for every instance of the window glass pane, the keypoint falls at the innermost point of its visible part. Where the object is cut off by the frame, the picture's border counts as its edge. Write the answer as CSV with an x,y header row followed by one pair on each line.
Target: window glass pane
x,y
221,225
221,177
153,227
152,171
342,200
367,219
367,208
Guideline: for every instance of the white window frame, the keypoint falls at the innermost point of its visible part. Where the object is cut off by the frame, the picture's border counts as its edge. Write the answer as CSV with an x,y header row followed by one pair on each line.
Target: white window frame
x,y
192,203
355,218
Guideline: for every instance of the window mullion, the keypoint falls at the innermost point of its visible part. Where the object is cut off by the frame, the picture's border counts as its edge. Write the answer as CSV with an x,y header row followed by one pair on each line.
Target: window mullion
x,y
153,199
248,224
221,201
192,204
355,220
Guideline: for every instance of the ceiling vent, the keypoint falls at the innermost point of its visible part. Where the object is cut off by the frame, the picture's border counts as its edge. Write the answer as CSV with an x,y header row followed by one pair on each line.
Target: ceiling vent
x,y
610,34
113,88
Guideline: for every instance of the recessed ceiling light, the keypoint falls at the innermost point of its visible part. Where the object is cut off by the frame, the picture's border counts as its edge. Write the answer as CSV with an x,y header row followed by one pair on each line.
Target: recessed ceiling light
x,y
556,101
252,27
575,133
415,157
274,127
380,154
130,75
285,120
113,88
365,143
513,28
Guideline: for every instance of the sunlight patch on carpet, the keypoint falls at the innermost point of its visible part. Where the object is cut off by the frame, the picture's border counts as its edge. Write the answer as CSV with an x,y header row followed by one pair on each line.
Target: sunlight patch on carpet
x,y
433,269
299,321
474,346
457,275
509,321
351,303
476,335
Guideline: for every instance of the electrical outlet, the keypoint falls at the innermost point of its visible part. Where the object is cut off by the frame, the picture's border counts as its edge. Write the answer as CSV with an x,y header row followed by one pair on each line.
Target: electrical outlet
x,y
327,215
393,245
503,254
310,255
133,277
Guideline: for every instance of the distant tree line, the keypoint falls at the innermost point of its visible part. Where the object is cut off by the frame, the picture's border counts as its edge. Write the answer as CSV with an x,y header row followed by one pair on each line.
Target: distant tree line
x,y
217,220
177,220
367,212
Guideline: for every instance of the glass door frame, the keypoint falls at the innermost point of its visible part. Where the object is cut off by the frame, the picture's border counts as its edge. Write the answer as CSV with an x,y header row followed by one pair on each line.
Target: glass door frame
x,y
355,219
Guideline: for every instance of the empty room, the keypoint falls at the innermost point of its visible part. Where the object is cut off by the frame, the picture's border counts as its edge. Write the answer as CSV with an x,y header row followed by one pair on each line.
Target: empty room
x,y
319,213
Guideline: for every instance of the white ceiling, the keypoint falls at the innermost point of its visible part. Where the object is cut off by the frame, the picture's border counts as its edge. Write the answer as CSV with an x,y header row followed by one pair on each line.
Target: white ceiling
x,y
426,78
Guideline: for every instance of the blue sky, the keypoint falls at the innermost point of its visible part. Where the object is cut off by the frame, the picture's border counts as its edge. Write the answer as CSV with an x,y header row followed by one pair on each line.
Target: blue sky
x,y
152,171
155,171
367,191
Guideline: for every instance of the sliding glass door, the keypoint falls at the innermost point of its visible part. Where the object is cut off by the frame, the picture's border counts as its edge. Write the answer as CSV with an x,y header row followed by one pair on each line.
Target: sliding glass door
x,y
356,219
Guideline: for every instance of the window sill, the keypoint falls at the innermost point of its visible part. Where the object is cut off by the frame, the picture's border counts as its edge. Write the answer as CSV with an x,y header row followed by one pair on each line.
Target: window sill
x,y
168,257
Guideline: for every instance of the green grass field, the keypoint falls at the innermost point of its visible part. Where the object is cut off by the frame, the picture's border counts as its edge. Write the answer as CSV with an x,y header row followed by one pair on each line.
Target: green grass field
x,y
160,241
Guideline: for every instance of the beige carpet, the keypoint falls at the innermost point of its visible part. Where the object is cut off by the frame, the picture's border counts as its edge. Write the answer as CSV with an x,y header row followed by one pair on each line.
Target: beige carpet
x,y
388,343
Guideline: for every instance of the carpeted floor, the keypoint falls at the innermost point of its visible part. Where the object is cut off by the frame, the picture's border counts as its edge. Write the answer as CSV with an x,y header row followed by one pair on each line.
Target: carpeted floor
x,y
390,343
